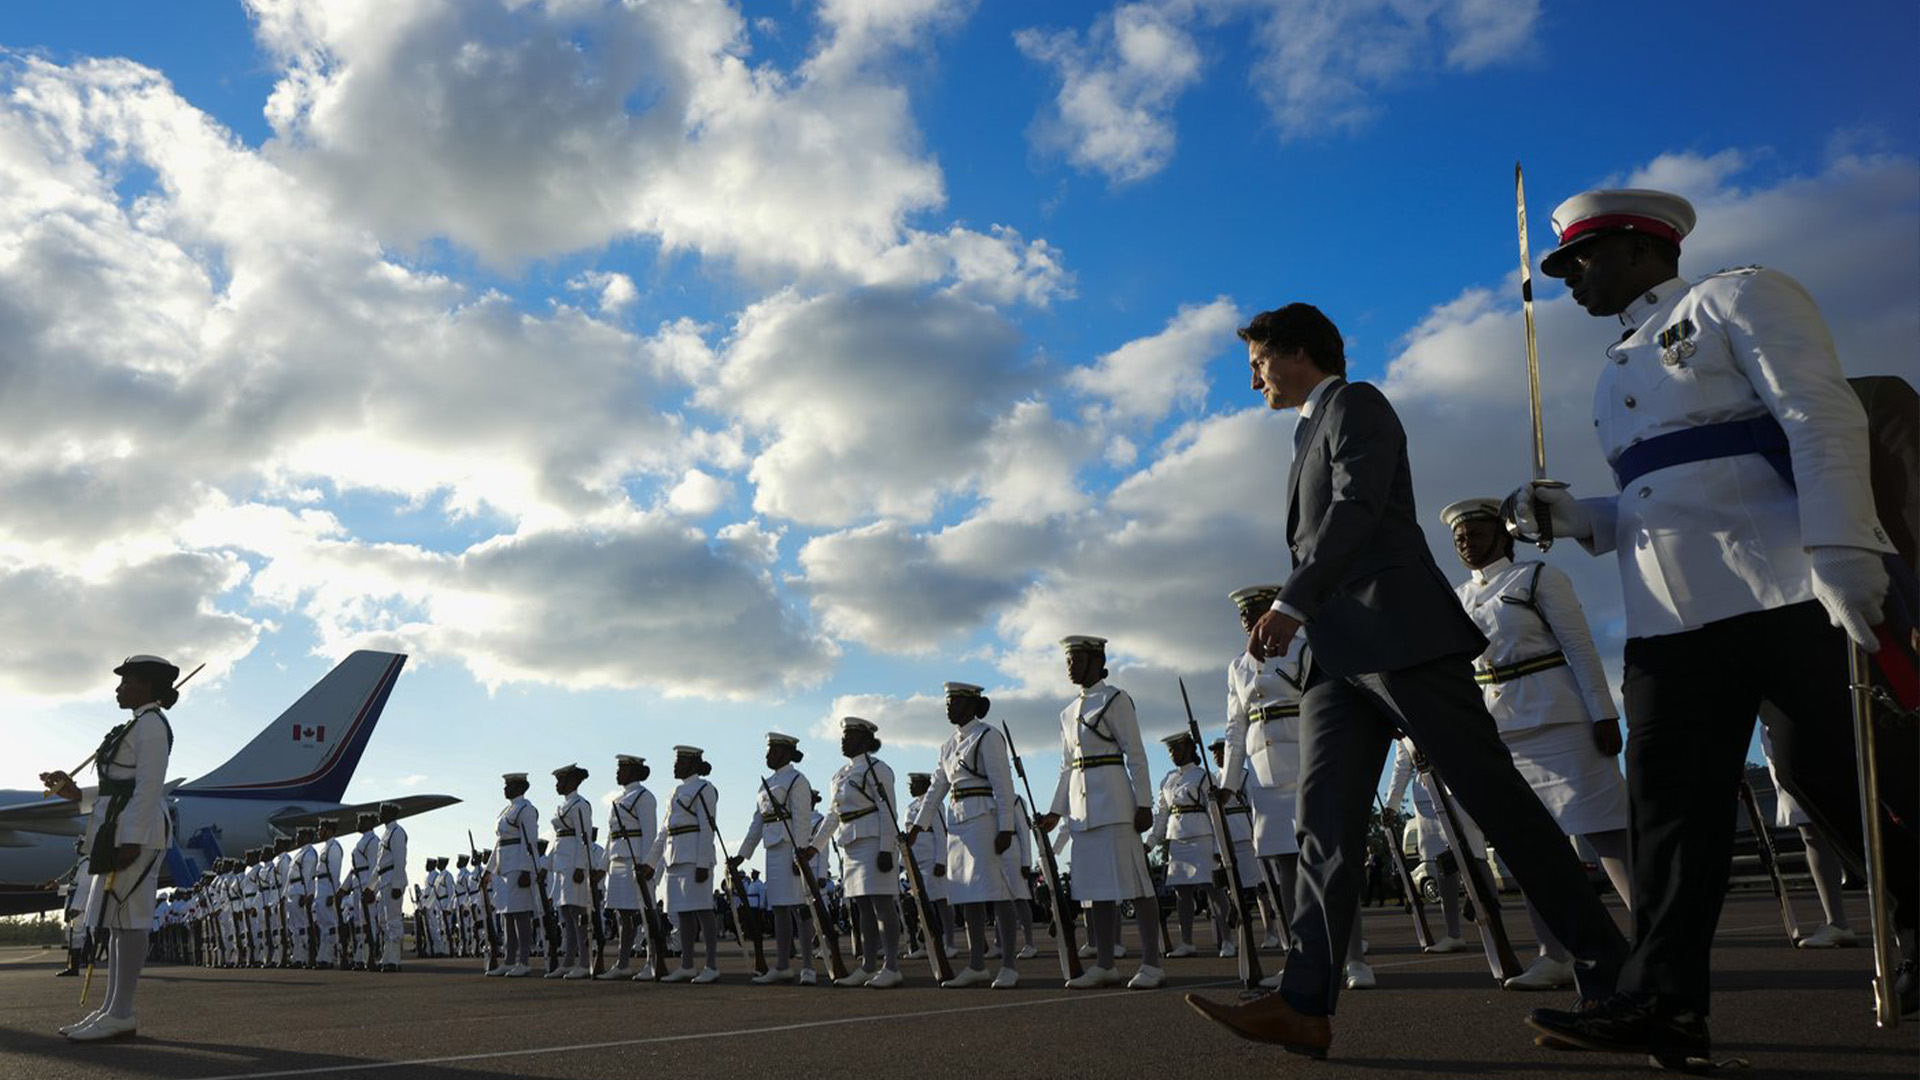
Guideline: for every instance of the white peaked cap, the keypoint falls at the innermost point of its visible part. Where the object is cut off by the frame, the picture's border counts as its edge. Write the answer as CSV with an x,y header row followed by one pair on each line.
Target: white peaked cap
x,y
1454,513
1603,211
1077,642
849,723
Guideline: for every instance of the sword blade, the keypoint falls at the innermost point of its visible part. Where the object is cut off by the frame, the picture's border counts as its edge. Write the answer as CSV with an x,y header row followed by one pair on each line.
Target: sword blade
x,y
1526,306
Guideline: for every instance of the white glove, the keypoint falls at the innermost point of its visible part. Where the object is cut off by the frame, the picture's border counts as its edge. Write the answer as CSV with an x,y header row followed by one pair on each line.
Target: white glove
x,y
1851,583
1570,519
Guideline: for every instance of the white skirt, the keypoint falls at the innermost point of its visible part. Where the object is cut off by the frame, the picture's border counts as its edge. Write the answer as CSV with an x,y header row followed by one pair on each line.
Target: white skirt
x,y
784,886
1249,864
1273,812
569,893
509,896
685,894
623,892
1581,787
1108,863
864,877
975,874
1190,861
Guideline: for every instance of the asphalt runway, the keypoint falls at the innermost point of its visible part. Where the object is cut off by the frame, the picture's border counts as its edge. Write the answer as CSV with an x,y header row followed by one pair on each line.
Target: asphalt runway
x,y
1791,1013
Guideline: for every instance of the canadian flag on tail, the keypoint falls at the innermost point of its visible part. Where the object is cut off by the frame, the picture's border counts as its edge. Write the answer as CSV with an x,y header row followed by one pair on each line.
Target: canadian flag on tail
x,y
309,736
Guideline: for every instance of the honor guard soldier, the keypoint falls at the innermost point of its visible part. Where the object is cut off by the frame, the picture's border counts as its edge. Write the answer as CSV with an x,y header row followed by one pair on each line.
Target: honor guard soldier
x,y
390,884
1746,531
858,820
273,893
126,832
1180,823
1105,794
74,893
975,779
572,862
930,850
778,807
302,860
1544,684
631,824
326,893
1430,840
685,846
252,907
1263,750
513,867
365,860
1238,813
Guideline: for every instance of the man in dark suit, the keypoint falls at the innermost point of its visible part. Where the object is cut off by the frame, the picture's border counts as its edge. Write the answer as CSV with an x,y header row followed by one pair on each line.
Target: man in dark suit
x,y
1391,652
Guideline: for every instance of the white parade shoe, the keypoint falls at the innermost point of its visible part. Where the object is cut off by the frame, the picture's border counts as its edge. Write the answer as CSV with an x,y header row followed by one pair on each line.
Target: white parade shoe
x,y
1448,944
1119,949
1229,950
1272,982
679,975
1829,937
1545,973
621,972
1086,951
914,954
1147,978
68,1029
771,976
1180,950
706,975
1360,975
645,974
578,973
1027,952
1271,941
885,979
496,971
856,977
517,971
1094,978
808,977
107,1027
1007,979
993,952
966,977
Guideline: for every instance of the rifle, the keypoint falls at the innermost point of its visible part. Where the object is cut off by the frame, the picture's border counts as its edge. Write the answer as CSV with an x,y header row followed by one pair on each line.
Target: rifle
x,y
656,922
549,922
1416,905
1050,870
597,915
1250,973
1486,902
936,950
736,896
366,913
494,955
1769,858
836,963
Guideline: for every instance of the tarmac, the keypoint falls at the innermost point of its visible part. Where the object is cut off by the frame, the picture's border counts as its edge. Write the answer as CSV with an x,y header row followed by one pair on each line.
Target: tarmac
x,y
1788,1012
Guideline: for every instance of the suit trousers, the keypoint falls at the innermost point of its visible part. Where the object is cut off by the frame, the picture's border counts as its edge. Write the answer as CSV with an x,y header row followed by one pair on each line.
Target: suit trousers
x,y
1347,724
1691,699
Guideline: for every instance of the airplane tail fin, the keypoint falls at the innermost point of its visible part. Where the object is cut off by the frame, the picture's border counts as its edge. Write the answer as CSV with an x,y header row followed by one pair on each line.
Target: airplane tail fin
x,y
310,752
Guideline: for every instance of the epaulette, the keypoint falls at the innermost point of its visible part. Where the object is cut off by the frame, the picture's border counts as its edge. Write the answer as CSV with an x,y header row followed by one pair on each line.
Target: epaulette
x,y
1755,268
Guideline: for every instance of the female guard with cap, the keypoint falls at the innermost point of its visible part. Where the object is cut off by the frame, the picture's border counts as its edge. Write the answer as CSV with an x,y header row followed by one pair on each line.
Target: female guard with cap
x,y
1180,822
782,798
512,867
126,832
860,820
929,846
974,775
630,822
685,846
572,862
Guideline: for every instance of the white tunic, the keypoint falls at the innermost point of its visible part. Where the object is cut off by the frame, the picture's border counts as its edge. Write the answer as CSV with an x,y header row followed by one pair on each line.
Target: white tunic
x,y
1103,781
630,828
931,848
975,779
138,758
1708,540
517,827
777,821
1263,738
1181,822
857,820
390,865
685,844
572,832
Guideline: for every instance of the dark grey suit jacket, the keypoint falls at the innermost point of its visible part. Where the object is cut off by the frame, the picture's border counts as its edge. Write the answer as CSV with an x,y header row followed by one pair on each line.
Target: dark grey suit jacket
x,y
1362,574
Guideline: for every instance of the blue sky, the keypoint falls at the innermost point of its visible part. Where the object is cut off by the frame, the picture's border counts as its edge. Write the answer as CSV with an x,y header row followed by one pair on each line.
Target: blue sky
x,y
675,375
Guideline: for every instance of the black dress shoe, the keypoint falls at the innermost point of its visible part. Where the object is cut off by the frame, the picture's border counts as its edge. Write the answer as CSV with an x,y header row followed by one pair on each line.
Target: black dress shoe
x,y
1632,1024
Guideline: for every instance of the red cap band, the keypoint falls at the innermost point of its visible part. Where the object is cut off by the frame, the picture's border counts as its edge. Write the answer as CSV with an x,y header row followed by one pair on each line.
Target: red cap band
x,y
1651,226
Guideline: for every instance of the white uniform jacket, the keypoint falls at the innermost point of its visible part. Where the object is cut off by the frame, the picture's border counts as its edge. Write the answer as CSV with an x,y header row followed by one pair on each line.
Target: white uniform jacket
x,y
974,776
1103,765
630,826
326,872
139,758
1263,719
300,867
517,827
855,807
1180,807
390,864
1540,666
686,833
572,832
1708,540
772,818
366,859
930,847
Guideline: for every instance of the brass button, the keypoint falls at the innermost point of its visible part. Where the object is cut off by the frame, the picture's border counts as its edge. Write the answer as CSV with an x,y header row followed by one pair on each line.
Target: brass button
x,y
1645,491
1630,402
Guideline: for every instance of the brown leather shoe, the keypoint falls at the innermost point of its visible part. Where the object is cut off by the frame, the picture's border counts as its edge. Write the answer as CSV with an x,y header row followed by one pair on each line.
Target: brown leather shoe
x,y
1269,1019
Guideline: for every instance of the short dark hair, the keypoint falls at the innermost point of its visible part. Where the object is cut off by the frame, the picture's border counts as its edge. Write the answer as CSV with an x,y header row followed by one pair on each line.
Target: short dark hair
x,y
1299,326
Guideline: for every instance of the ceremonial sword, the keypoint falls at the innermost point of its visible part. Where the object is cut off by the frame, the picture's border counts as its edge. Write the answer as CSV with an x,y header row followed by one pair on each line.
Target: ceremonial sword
x,y
1543,521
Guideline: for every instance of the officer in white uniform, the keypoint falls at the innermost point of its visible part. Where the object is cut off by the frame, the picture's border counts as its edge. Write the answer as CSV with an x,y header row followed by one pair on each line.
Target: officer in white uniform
x,y
1544,685
685,846
390,884
280,870
778,805
975,780
302,861
512,867
858,818
1733,576
1823,865
127,829
1263,750
365,860
929,848
328,861
1181,826
631,823
1431,839
571,863
1106,796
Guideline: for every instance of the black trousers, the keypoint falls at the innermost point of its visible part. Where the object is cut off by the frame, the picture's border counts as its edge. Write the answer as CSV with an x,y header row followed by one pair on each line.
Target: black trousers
x,y
1691,699
1346,726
